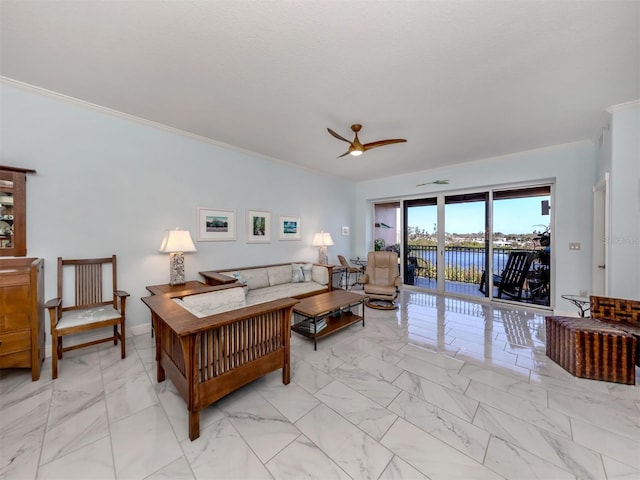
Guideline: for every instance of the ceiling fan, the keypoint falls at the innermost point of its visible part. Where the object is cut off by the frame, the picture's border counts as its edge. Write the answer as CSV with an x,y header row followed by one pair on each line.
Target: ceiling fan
x,y
356,148
435,182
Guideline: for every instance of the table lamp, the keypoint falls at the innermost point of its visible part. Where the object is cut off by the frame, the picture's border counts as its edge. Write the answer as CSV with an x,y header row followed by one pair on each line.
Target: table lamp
x,y
322,240
175,243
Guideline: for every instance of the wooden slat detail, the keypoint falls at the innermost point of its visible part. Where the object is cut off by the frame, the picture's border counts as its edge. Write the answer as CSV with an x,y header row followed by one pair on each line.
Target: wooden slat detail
x,y
88,284
228,347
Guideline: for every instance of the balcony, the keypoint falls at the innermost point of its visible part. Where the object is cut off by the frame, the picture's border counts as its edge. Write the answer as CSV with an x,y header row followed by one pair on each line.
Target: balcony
x,y
464,266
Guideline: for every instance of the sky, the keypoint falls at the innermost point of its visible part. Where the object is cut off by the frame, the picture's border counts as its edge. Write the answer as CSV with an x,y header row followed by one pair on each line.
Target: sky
x,y
518,215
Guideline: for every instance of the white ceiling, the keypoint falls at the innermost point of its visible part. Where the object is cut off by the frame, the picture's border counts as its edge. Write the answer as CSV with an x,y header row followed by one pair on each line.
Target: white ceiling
x,y
460,80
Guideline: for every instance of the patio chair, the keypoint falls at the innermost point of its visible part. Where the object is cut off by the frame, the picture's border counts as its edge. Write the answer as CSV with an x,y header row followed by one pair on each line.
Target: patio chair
x,y
511,281
349,270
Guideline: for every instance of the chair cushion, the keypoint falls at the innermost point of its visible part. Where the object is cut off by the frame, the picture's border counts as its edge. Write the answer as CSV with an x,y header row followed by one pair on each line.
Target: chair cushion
x,y
380,289
86,316
205,304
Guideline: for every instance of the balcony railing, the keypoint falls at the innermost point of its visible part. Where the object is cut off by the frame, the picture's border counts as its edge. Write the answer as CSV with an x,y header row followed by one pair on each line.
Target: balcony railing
x,y
462,264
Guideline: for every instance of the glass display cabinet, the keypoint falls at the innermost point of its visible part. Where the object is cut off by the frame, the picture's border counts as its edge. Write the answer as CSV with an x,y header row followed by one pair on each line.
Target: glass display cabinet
x,y
13,211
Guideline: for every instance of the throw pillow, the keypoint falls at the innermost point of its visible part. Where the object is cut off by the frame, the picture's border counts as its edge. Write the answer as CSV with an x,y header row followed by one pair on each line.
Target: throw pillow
x,y
307,268
297,274
241,278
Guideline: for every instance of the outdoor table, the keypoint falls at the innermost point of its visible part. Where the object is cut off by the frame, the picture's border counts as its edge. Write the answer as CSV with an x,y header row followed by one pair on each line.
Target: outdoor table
x,y
583,303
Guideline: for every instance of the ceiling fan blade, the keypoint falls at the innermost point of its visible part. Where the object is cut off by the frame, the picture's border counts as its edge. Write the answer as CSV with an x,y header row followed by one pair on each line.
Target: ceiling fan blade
x,y
345,153
435,182
381,143
339,137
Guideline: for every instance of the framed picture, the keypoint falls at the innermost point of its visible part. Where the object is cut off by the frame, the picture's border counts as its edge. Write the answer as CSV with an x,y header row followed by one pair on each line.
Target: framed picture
x,y
258,226
289,228
216,225
345,231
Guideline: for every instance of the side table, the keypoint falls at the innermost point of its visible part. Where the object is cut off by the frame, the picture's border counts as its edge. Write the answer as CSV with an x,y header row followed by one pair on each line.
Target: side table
x,y
338,271
583,303
166,288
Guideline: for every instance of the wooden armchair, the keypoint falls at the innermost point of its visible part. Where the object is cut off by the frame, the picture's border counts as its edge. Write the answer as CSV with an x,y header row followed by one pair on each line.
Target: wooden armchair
x,y
89,310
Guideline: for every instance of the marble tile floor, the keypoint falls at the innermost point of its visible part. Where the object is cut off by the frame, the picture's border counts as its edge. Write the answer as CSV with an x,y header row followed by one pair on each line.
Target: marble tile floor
x,y
440,389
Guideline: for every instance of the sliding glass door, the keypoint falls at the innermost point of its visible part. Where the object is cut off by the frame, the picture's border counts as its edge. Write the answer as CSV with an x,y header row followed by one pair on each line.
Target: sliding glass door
x,y
465,252
521,223
421,242
493,243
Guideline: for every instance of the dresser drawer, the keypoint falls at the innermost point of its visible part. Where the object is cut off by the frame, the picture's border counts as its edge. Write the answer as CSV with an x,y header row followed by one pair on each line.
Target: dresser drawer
x,y
17,360
16,307
10,278
15,341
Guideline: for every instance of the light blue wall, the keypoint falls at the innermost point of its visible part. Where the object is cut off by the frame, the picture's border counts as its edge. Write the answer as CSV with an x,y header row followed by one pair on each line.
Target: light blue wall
x,y
109,185
624,238
106,185
570,167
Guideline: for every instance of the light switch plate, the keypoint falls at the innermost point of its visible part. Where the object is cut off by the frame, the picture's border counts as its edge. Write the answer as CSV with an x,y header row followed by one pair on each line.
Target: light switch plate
x,y
574,246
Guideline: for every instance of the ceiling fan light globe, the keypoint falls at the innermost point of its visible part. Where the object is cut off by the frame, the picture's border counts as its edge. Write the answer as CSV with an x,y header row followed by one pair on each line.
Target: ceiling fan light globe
x,y
356,153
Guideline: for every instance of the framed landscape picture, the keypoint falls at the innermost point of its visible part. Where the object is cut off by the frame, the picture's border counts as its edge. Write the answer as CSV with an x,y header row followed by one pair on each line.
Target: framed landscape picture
x,y
258,226
289,228
216,225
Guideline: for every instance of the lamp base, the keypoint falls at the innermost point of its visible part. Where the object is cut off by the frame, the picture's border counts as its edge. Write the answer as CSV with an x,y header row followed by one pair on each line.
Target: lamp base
x,y
176,268
322,256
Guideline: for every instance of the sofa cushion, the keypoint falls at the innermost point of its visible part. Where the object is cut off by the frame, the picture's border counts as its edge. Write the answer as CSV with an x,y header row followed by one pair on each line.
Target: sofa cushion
x,y
279,275
320,274
256,277
239,277
261,295
205,304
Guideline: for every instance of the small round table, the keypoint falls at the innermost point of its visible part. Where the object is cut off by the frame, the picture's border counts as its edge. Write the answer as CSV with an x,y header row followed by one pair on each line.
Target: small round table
x,y
583,303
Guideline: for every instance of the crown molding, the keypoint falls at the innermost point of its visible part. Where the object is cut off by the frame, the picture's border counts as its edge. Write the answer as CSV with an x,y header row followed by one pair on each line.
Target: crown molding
x,y
148,123
623,106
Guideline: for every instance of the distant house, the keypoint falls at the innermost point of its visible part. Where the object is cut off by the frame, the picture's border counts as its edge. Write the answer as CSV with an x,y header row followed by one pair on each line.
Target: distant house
x,y
501,243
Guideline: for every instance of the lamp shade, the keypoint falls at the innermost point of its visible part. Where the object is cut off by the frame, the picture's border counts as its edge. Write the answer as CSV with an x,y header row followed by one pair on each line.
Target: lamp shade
x,y
322,239
177,241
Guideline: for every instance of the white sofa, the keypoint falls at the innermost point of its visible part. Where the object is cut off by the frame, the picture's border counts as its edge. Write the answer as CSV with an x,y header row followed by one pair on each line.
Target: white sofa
x,y
271,282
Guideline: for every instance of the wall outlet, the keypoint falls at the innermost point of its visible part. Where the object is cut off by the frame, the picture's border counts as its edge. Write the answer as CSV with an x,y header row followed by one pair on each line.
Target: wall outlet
x,y
574,246
583,293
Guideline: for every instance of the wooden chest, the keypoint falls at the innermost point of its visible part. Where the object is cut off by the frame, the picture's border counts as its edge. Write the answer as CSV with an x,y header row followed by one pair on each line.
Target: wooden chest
x,y
22,334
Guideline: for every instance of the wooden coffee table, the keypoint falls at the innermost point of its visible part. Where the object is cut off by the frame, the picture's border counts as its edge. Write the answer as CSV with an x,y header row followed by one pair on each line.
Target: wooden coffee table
x,y
333,309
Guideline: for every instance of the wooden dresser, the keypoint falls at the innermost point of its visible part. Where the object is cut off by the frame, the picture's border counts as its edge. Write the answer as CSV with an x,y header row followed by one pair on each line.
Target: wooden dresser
x,y
22,333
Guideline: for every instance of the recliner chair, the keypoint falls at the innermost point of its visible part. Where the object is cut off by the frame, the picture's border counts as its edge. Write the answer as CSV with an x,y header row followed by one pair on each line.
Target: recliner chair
x,y
381,280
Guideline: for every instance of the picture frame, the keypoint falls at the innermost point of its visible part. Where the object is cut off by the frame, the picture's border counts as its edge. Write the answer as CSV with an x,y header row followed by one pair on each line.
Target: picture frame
x,y
289,228
258,226
345,231
215,225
